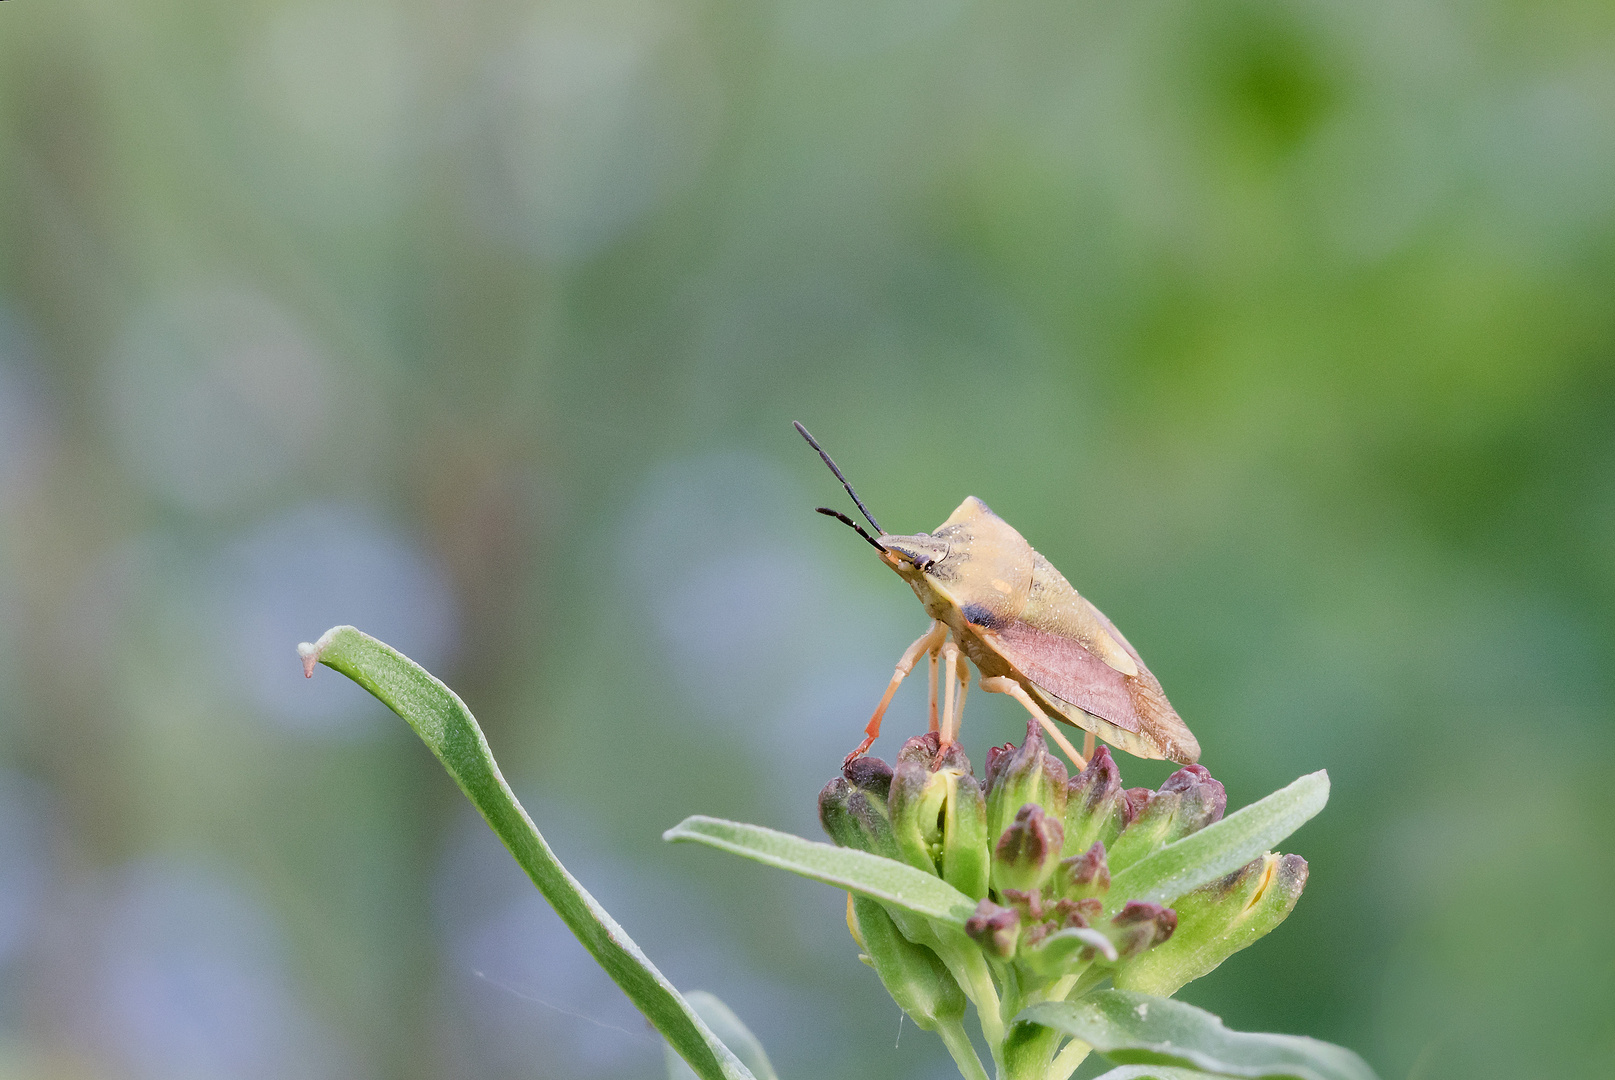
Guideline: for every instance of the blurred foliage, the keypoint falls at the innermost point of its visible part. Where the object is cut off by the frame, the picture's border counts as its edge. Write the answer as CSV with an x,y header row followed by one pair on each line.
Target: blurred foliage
x,y
1283,329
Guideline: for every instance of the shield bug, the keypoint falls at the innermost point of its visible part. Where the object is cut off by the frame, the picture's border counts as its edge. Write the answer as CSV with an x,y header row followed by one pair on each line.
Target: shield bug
x,y
995,601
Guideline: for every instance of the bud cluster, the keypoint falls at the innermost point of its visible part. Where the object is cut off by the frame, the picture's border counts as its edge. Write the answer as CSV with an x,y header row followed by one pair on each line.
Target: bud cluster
x,y
1038,850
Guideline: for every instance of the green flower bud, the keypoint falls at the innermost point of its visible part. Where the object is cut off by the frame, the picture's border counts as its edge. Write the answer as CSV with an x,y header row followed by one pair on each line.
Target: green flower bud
x,y
966,860
1016,777
912,974
1094,804
1217,920
995,928
939,814
855,820
916,805
836,816
1189,801
1028,850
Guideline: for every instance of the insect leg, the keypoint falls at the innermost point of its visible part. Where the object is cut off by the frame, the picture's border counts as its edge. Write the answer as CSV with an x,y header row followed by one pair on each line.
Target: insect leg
x,y
964,687
950,668
1087,744
933,691
928,641
1003,684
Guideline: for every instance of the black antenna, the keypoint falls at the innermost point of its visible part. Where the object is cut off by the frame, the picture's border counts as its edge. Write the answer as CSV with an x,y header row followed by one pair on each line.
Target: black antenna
x,y
845,520
844,484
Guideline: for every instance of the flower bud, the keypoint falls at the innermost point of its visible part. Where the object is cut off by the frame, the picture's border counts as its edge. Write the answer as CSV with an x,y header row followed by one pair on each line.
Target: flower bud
x,y
1217,920
911,973
1189,801
1140,925
1086,875
966,857
1029,774
855,820
1204,798
939,814
1028,850
870,775
1062,952
994,928
916,805
1094,803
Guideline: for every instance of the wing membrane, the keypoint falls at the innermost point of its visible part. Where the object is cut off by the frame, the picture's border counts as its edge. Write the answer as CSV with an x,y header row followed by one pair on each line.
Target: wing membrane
x,y
1049,646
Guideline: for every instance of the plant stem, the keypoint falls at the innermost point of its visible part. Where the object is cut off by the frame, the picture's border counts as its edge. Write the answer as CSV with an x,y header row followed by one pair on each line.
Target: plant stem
x,y
964,1054
1066,1061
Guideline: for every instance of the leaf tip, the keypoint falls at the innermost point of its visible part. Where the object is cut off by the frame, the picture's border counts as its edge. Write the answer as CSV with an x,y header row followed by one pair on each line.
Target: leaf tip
x,y
310,652
1322,778
681,831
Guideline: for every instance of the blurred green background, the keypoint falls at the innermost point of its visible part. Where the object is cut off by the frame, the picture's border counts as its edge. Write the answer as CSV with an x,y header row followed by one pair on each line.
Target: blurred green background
x,y
1285,329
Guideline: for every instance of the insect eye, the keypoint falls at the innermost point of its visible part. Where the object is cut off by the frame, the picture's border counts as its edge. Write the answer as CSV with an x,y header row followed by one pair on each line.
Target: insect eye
x,y
924,563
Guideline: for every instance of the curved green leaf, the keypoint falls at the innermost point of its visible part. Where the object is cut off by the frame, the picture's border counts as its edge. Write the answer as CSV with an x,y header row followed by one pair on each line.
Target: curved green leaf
x,y
1222,847
729,1028
443,722
885,880
1131,1028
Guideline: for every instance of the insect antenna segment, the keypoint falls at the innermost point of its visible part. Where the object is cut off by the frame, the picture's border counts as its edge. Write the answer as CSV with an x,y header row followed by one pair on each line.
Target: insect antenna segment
x,y
860,503
859,529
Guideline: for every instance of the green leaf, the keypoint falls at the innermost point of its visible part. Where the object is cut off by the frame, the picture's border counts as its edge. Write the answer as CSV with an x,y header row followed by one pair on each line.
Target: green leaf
x,y
1131,1028
1222,847
443,722
886,880
729,1028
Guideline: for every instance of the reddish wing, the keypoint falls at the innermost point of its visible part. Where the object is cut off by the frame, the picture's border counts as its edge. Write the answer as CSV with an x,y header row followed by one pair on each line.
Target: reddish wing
x,y
1062,668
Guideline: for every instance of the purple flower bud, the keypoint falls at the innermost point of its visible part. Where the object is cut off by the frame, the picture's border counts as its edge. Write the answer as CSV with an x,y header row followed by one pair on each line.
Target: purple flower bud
x,y
1028,850
1134,800
1203,799
1028,774
995,928
1189,801
927,750
920,748
1029,902
1077,914
869,774
1094,803
1086,875
1140,925
997,756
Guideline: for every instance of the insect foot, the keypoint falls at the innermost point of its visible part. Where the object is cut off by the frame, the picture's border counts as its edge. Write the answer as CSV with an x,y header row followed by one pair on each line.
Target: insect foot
x,y
1077,881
